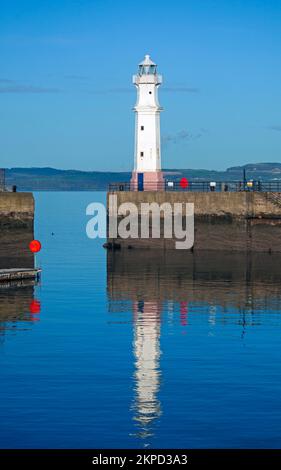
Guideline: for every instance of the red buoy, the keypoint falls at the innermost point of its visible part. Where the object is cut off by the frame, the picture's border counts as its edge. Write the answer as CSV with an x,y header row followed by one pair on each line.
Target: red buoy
x,y
35,246
184,183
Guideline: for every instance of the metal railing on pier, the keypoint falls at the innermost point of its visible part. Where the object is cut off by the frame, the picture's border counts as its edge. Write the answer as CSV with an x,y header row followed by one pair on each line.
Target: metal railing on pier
x,y
3,186
8,189
200,186
2,179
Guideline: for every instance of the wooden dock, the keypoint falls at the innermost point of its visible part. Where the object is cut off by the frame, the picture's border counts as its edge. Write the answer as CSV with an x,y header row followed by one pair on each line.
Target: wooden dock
x,y
16,274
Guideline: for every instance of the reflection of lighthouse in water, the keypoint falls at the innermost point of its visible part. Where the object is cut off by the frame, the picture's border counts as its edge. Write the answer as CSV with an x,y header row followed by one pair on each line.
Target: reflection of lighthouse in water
x,y
146,346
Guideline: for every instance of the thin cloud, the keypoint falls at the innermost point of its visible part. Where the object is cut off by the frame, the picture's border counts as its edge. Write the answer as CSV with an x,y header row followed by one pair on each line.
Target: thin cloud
x,y
120,90
57,40
6,80
12,87
110,90
60,40
180,89
76,77
274,128
181,136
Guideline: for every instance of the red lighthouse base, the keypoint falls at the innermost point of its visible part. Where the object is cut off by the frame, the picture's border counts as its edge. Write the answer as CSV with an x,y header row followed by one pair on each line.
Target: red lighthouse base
x,y
147,181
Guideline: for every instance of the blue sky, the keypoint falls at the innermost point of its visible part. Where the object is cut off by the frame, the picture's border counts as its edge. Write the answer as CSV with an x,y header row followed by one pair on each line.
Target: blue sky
x,y
66,93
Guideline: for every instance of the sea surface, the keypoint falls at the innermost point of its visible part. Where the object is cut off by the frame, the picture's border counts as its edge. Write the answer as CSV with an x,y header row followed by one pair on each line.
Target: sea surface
x,y
138,349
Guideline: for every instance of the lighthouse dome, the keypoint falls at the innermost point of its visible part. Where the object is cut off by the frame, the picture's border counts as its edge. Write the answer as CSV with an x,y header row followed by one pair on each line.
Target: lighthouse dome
x,y
147,66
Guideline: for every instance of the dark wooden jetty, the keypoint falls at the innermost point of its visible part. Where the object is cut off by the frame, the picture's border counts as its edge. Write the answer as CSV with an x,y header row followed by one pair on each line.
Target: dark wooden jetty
x,y
19,273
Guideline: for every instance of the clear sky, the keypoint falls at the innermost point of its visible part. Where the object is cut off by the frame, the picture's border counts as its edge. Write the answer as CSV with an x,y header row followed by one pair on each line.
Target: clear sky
x,y
66,93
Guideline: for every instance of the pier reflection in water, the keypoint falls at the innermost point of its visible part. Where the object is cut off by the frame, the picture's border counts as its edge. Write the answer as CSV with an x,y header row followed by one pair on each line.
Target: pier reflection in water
x,y
18,306
174,288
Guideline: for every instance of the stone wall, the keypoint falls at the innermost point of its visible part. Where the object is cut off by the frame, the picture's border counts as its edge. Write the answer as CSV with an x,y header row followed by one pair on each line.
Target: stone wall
x,y
16,210
237,204
16,230
240,221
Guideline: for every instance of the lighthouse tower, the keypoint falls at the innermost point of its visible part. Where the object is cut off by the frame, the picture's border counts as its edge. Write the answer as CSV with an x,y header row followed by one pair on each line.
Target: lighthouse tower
x,y
147,174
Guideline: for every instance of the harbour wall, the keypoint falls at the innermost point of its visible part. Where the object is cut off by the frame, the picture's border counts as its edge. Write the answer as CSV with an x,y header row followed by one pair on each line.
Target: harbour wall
x,y
231,221
16,230
16,210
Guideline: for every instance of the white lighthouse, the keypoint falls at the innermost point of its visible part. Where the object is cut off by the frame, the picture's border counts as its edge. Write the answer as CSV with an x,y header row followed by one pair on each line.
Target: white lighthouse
x,y
147,174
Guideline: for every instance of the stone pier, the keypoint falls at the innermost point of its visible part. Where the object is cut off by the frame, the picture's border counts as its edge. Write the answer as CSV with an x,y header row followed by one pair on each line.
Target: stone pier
x,y
16,230
231,221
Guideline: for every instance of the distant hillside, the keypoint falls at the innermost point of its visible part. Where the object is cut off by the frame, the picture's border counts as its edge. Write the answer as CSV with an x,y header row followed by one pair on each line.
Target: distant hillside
x,y
257,167
51,179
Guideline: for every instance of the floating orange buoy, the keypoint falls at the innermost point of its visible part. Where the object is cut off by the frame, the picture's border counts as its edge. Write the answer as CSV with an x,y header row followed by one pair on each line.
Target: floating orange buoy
x,y
184,183
35,246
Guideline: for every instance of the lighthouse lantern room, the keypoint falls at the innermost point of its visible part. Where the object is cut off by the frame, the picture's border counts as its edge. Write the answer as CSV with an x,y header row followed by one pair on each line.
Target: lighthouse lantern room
x,y
147,174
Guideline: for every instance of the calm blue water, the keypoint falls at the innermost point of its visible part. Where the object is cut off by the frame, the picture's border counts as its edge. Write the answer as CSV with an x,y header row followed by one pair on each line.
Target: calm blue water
x,y
138,350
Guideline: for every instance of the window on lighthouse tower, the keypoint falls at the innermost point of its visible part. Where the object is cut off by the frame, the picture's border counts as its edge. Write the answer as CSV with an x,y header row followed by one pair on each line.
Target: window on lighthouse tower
x,y
147,69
